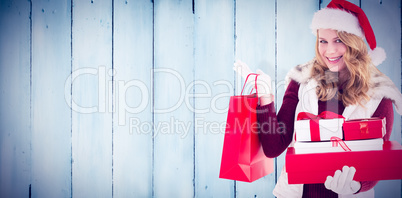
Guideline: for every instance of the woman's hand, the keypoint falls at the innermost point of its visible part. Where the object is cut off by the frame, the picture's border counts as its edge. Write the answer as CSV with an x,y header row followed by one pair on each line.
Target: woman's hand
x,y
263,81
342,183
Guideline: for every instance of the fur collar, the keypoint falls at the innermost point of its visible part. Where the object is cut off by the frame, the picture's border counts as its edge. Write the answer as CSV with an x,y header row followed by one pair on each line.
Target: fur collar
x,y
301,73
381,86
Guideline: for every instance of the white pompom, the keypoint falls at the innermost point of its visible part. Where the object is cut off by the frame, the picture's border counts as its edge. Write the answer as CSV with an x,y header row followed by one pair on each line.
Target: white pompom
x,y
377,55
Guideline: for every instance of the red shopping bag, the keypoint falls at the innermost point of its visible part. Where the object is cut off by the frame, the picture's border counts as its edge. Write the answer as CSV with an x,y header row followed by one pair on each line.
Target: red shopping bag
x,y
242,157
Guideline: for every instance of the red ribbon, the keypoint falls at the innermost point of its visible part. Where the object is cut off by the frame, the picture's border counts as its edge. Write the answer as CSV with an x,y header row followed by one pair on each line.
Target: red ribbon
x,y
338,141
314,122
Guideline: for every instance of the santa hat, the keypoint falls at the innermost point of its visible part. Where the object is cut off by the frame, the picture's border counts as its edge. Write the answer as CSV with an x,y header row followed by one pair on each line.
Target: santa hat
x,y
344,16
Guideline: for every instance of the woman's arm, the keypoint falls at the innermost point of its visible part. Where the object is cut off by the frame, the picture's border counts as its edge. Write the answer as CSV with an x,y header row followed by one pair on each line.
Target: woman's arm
x,y
384,110
276,131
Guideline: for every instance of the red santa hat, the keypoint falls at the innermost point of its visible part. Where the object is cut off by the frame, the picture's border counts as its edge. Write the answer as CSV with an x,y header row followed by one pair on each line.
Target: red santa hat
x,y
344,16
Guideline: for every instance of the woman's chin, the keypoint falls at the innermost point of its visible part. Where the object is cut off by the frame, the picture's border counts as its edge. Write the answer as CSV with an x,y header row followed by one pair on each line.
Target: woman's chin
x,y
334,68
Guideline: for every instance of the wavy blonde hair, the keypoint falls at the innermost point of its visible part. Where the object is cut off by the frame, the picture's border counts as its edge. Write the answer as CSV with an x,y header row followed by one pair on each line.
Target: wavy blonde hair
x,y
359,66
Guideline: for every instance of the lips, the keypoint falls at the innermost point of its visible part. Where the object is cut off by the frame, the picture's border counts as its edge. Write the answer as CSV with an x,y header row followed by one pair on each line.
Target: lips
x,y
334,59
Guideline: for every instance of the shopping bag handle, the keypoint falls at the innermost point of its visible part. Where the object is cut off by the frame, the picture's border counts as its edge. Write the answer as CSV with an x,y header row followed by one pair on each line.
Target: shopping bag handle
x,y
255,85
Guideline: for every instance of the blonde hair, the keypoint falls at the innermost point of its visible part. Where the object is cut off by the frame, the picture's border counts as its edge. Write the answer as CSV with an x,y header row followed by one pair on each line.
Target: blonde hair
x,y
359,66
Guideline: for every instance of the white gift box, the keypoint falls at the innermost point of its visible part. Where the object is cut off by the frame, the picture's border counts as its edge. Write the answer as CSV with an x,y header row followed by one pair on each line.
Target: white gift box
x,y
327,128
330,147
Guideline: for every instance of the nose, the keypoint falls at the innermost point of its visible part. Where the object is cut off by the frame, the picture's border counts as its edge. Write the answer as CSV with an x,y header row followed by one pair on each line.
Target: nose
x,y
331,48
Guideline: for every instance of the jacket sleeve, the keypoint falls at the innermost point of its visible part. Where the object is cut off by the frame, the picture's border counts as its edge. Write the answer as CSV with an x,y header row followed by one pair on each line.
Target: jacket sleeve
x,y
384,110
276,131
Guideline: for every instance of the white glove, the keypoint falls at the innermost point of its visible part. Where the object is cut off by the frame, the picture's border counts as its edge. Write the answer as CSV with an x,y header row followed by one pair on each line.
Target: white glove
x,y
263,80
342,183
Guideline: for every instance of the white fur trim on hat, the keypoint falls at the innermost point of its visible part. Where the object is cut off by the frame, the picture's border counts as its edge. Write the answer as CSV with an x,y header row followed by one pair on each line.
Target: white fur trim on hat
x,y
336,19
377,55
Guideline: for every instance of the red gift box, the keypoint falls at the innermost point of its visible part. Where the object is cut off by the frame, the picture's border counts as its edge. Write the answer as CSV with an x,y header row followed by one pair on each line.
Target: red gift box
x,y
359,129
313,168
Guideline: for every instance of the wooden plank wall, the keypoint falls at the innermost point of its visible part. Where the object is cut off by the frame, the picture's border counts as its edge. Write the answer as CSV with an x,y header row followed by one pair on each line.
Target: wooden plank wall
x,y
128,98
51,115
133,61
15,102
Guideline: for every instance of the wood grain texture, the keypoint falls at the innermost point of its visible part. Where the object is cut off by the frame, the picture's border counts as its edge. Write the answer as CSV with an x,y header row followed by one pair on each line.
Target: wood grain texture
x,y
132,116
15,94
173,121
110,98
92,116
51,113
213,85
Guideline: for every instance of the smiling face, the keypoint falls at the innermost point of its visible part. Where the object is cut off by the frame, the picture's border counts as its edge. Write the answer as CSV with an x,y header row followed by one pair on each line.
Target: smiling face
x,y
331,49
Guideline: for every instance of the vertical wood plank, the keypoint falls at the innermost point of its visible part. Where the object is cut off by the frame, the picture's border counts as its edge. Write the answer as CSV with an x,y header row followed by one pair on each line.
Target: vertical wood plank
x,y
15,131
132,125
255,45
173,126
51,113
213,86
91,92
295,44
385,19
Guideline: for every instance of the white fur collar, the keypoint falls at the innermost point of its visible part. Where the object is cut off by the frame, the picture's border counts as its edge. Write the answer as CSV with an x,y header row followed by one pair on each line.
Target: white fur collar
x,y
381,86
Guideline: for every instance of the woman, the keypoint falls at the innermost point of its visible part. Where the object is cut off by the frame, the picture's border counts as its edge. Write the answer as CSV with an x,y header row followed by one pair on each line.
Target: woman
x,y
341,78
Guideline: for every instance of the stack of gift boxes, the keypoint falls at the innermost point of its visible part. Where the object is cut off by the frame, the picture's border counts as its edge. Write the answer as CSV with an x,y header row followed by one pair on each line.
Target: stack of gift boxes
x,y
333,134
327,142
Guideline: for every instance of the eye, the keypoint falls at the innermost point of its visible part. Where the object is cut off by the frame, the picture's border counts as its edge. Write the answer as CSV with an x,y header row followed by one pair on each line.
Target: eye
x,y
323,41
338,41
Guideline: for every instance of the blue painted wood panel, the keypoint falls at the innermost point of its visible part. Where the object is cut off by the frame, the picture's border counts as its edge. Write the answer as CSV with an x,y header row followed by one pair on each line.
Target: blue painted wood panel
x,y
15,94
51,114
212,87
173,121
132,115
91,112
128,98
